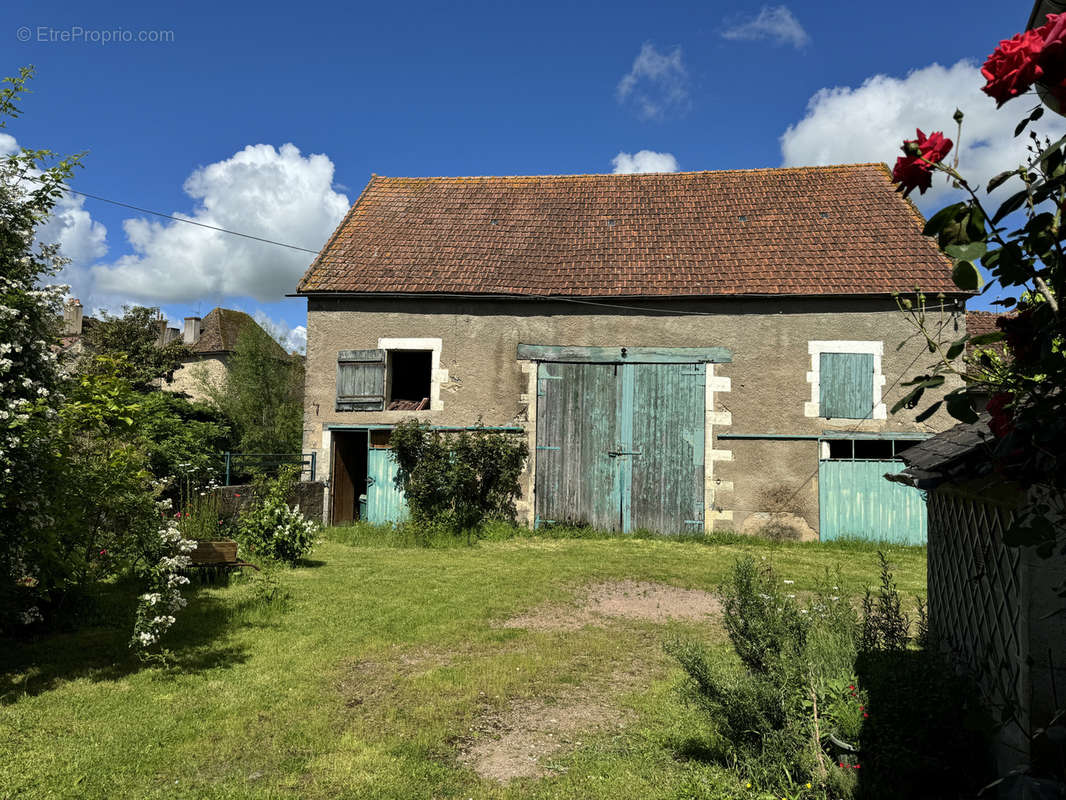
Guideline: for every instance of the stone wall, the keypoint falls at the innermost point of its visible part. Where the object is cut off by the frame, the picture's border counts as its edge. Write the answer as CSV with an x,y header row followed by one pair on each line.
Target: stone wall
x,y
306,494
767,388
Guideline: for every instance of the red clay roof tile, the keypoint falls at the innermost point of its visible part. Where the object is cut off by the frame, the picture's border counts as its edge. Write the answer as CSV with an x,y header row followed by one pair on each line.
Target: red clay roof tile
x,y
807,230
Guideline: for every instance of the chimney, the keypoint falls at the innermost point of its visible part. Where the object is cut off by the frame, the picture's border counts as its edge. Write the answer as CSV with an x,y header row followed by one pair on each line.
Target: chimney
x,y
72,317
161,337
192,330
171,335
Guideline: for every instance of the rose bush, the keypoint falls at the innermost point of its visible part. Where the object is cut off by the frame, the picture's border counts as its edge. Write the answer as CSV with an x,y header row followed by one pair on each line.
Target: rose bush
x,y
1026,260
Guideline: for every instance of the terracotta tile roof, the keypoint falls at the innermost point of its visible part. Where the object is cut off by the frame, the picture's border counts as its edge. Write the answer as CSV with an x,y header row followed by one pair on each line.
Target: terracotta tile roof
x,y
809,230
981,322
219,331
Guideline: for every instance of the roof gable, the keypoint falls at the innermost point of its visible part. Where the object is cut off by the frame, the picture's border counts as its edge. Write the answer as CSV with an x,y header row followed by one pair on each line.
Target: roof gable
x,y
839,230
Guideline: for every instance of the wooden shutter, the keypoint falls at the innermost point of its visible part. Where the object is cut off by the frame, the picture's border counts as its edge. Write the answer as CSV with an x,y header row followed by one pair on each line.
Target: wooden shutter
x,y
361,380
846,385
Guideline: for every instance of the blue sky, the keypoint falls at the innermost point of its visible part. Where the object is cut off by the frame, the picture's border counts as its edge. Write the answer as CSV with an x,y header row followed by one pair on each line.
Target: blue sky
x,y
197,124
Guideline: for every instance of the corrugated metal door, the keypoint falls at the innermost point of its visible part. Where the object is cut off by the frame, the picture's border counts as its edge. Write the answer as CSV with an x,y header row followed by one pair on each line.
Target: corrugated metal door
x,y
384,502
620,446
856,501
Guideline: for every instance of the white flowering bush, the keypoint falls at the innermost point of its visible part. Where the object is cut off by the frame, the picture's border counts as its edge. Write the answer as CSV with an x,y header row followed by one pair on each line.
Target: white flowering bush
x,y
273,529
158,606
30,183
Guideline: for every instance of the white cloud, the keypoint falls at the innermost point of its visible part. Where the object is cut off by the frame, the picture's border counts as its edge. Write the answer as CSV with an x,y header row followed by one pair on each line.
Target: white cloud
x,y
293,339
80,238
773,22
274,194
657,83
869,123
643,161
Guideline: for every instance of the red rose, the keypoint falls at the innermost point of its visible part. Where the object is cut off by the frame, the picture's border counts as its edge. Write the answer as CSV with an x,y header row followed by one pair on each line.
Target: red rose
x,y
914,169
1052,56
1012,68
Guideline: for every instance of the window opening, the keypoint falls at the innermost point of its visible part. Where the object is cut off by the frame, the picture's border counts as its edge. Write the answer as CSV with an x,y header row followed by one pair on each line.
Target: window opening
x,y
410,376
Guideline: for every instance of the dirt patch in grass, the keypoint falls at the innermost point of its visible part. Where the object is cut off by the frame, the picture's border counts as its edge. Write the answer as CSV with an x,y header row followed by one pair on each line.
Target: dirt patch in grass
x,y
378,682
521,740
598,603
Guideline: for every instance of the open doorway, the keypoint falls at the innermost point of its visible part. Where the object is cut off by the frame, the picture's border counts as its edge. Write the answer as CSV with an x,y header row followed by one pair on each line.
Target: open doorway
x,y
349,474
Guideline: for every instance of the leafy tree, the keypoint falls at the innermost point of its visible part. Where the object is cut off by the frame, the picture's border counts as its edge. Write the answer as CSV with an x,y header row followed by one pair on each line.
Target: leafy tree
x,y
106,517
184,439
135,334
262,394
30,183
1027,403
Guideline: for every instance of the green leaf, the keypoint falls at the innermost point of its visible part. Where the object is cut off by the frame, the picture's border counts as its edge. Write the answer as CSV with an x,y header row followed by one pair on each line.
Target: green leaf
x,y
987,338
929,411
1021,126
956,348
1051,159
960,406
967,252
998,180
1011,268
941,218
966,276
1038,112
1010,205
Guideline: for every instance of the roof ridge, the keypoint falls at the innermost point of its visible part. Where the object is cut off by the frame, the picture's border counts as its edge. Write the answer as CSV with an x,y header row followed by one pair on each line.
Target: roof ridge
x,y
815,167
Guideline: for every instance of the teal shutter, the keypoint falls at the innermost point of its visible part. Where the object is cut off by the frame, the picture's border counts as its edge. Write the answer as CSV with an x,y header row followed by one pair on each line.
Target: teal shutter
x,y
846,385
361,380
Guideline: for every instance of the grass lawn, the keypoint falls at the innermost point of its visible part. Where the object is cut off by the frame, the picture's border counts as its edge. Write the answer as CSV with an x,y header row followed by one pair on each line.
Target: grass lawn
x,y
376,667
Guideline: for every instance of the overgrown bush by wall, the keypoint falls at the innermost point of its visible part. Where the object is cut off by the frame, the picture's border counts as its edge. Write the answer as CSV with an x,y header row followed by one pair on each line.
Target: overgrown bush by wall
x,y
459,480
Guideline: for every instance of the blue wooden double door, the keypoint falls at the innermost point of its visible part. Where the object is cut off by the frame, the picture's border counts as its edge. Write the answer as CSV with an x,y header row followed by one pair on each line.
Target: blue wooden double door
x,y
620,446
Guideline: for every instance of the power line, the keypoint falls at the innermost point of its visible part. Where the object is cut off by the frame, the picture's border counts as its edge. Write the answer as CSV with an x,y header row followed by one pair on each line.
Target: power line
x,y
180,219
558,298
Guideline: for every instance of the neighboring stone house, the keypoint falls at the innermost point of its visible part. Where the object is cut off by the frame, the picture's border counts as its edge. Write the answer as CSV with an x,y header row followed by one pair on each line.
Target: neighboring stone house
x,y
682,351
211,342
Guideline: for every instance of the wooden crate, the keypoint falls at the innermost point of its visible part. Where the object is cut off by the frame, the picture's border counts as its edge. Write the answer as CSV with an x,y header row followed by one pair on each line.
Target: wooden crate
x,y
220,552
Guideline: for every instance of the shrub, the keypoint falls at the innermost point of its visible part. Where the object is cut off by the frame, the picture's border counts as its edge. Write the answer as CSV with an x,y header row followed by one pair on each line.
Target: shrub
x,y
885,626
270,528
458,480
157,606
789,707
771,714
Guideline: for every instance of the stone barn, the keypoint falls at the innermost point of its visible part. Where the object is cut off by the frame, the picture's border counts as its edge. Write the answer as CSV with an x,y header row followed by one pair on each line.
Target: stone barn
x,y
682,351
